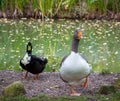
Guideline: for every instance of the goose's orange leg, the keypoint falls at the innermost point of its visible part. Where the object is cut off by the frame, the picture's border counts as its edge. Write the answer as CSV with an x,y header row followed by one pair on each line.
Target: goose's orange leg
x,y
86,82
73,92
26,75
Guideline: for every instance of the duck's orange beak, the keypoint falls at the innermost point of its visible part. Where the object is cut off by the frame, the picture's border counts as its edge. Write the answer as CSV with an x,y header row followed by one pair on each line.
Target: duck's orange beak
x,y
80,35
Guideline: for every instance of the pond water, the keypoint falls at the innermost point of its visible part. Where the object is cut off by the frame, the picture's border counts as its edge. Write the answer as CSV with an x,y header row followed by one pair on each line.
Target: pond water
x,y
52,39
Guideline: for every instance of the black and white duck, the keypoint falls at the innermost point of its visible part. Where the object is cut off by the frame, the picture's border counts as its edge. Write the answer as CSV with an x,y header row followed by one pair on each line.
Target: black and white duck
x,y
32,63
75,69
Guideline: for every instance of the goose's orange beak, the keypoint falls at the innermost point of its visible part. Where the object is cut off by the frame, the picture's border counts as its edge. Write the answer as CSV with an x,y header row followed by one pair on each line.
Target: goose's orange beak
x,y
80,35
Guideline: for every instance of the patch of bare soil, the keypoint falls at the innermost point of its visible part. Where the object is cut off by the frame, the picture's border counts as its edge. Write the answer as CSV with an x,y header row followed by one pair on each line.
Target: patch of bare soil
x,y
50,84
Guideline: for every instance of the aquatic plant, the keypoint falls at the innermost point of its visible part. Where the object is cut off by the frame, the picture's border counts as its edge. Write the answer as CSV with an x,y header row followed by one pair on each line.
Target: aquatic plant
x,y
103,6
52,8
52,39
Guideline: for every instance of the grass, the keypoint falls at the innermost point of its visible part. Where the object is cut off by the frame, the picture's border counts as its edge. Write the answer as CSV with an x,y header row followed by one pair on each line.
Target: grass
x,y
95,97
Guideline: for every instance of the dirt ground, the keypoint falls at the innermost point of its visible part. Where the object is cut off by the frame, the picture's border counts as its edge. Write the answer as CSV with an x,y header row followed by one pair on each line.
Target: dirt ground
x,y
50,84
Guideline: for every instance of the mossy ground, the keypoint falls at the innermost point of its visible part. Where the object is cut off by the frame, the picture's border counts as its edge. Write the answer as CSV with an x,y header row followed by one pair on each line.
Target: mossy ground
x,y
14,89
96,97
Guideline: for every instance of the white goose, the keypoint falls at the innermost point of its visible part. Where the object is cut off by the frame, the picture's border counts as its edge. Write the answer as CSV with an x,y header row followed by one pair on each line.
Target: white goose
x,y
75,68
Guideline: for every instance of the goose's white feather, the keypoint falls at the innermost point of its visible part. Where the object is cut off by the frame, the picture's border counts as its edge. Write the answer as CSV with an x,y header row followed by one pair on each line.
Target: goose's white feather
x,y
74,68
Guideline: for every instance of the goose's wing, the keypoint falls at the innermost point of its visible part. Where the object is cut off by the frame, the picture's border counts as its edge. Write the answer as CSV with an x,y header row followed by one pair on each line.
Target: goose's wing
x,y
61,64
87,62
64,59
79,54
83,57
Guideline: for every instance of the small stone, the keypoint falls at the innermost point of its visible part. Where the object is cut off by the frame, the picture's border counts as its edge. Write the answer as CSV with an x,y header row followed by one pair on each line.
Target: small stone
x,y
14,89
107,89
117,83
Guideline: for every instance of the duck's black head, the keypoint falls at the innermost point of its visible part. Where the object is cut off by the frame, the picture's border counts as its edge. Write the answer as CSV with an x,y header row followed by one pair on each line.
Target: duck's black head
x,y
29,48
78,34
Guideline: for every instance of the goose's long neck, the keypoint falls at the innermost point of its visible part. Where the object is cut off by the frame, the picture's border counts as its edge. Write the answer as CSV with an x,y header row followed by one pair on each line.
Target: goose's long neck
x,y
75,44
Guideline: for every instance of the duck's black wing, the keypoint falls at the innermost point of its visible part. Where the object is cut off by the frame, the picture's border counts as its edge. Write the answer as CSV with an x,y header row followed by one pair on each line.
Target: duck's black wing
x,y
38,64
39,59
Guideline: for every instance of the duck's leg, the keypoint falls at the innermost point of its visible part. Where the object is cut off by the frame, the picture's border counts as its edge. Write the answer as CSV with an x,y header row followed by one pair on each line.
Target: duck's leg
x,y
26,75
85,85
36,77
73,92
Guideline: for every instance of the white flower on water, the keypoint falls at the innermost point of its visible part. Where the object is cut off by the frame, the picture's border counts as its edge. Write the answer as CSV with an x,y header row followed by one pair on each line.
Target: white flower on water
x,y
12,40
106,64
116,52
12,50
4,62
27,39
39,51
17,51
108,34
12,57
104,44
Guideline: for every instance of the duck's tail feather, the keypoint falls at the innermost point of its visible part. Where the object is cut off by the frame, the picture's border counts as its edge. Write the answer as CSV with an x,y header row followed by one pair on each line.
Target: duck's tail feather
x,y
45,61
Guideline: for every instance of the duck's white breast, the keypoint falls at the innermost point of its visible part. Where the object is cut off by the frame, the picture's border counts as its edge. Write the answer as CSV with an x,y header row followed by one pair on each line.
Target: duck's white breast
x,y
26,59
74,67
